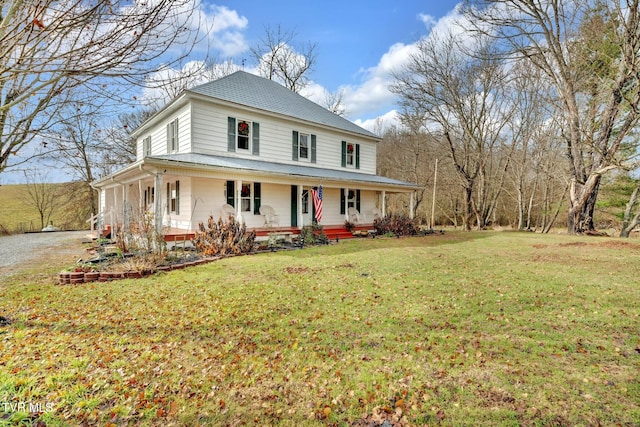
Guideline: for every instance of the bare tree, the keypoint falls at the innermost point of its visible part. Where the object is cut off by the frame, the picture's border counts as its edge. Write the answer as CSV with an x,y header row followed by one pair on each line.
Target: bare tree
x,y
117,147
40,195
462,100
50,47
278,59
589,51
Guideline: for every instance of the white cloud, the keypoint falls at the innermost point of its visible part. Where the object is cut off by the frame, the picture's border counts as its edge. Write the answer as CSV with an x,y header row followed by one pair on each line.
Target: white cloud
x,y
225,27
428,20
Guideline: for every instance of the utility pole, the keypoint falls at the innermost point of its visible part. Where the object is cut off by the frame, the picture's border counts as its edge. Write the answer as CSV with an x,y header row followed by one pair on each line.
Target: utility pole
x,y
433,200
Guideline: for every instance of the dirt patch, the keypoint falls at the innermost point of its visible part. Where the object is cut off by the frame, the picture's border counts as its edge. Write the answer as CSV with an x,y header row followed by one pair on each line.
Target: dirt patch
x,y
573,244
616,244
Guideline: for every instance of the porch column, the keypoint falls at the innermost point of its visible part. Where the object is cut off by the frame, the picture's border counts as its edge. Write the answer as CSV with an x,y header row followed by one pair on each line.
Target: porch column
x,y
239,201
299,208
158,205
384,203
411,204
125,213
346,204
141,202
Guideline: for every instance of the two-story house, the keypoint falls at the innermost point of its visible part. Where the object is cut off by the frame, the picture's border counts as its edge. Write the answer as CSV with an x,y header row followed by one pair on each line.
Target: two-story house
x,y
244,142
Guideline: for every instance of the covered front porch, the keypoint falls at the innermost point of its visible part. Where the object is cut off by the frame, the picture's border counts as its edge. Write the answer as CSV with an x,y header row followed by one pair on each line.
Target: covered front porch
x,y
172,198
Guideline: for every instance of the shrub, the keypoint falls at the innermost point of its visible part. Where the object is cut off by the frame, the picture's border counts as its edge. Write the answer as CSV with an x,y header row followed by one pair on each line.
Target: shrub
x,y
223,237
397,224
313,234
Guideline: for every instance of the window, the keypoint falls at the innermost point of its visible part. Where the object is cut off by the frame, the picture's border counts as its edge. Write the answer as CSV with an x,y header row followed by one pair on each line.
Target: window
x,y
351,148
305,201
149,196
350,155
244,134
245,198
146,146
173,197
304,146
172,136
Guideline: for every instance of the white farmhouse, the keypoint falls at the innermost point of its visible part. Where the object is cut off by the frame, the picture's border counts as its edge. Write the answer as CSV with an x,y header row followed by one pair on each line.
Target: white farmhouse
x,y
247,146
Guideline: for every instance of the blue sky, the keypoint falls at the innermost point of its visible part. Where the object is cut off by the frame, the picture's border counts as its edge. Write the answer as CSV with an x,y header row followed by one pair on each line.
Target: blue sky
x,y
358,42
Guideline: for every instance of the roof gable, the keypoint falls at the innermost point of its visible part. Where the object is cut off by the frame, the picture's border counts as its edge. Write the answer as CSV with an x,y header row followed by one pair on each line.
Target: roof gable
x,y
257,92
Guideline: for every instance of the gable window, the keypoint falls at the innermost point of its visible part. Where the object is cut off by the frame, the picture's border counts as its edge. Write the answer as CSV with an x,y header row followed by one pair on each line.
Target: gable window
x,y
303,146
173,197
243,135
172,136
350,155
146,146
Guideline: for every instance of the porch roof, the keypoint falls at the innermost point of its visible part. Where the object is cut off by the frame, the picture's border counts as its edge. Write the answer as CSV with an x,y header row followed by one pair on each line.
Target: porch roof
x,y
195,160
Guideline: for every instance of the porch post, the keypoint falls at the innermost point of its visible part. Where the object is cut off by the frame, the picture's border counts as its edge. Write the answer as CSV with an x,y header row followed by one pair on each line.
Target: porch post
x,y
239,201
141,203
346,204
411,205
158,205
125,214
384,203
299,208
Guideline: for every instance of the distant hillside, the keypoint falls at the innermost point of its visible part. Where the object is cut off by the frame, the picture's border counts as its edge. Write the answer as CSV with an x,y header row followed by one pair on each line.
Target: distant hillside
x,y
17,215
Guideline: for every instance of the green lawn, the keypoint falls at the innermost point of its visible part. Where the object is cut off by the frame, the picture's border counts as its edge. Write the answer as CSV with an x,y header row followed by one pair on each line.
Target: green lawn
x,y
461,329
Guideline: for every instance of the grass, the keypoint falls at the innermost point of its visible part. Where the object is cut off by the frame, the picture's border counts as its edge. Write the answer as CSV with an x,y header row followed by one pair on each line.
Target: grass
x,y
462,329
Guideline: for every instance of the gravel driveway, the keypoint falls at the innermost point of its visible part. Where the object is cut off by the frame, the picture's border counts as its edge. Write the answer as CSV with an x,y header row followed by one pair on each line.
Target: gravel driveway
x,y
18,248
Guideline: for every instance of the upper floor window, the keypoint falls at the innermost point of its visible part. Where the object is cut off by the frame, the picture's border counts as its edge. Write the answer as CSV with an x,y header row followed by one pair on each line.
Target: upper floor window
x,y
172,136
303,146
243,135
350,155
146,146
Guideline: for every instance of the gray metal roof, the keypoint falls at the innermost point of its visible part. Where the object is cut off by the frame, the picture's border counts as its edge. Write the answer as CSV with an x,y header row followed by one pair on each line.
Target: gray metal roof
x,y
241,164
257,92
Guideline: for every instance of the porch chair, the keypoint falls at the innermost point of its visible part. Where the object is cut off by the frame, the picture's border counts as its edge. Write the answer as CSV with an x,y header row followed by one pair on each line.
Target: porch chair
x,y
270,216
227,211
376,214
354,216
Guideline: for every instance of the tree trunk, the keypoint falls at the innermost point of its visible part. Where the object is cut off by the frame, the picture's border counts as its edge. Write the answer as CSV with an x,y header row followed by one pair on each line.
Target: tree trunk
x,y
468,207
583,203
628,223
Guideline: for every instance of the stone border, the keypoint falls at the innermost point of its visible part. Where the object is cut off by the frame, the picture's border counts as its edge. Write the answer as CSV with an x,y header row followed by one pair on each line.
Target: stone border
x,y
78,277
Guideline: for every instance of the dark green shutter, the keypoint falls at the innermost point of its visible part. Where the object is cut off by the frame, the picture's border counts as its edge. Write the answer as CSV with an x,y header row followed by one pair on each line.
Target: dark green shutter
x,y
168,198
231,195
231,134
344,154
256,139
358,157
256,198
294,205
294,145
169,137
313,148
358,200
342,200
177,197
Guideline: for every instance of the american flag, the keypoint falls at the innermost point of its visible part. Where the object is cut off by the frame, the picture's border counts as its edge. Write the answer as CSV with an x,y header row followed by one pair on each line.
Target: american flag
x,y
317,202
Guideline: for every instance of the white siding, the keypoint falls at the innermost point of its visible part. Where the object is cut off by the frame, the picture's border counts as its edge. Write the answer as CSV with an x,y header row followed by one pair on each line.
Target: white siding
x,y
158,134
209,134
